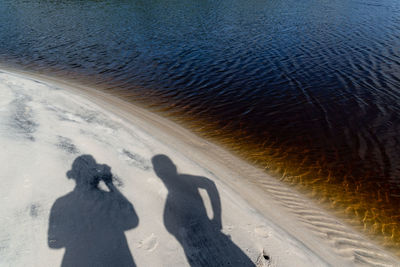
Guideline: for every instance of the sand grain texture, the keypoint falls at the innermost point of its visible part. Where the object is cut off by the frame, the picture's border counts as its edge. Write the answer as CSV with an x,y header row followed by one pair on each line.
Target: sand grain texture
x,y
47,124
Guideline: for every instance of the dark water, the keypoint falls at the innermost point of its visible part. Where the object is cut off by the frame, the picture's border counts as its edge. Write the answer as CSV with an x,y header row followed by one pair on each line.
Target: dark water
x,y
308,90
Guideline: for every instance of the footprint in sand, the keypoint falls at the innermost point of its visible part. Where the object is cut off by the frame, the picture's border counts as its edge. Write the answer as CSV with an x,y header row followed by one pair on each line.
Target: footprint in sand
x,y
150,243
262,231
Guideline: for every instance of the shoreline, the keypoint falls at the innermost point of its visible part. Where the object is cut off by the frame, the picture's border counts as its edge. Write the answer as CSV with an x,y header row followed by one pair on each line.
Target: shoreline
x,y
288,214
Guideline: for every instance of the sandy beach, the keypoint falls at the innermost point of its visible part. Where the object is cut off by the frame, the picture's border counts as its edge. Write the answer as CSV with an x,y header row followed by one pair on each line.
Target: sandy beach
x,y
163,196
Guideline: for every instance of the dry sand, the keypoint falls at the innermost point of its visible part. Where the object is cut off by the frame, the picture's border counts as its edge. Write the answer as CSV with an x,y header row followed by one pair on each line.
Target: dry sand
x,y
171,219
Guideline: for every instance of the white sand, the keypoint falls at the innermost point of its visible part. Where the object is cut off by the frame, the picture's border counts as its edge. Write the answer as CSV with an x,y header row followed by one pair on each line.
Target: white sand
x,y
45,125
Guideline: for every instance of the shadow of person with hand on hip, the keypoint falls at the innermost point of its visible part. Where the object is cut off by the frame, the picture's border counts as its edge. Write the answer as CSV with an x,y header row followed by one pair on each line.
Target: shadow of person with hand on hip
x,y
185,217
89,222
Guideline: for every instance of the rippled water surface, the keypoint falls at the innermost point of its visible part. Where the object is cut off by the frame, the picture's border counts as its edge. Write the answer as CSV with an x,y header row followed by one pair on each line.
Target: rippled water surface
x,y
308,90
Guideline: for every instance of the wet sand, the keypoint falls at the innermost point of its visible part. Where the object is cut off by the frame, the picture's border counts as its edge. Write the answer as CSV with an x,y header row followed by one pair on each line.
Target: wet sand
x,y
182,194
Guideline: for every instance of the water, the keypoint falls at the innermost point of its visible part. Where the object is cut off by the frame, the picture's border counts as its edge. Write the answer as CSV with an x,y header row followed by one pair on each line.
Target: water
x,y
308,90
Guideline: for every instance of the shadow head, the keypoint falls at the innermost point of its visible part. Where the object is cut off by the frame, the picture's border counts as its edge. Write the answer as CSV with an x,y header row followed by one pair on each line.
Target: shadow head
x,y
86,172
163,166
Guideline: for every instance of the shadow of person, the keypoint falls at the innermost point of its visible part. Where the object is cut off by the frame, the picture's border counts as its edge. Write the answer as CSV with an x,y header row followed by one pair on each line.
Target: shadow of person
x,y
185,217
89,222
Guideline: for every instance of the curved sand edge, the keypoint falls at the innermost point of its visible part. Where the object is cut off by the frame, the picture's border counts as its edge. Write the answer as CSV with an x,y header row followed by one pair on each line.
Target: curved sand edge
x,y
261,214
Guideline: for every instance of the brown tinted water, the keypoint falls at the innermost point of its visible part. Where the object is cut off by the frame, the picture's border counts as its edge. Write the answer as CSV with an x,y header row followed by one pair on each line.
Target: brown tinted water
x,y
307,90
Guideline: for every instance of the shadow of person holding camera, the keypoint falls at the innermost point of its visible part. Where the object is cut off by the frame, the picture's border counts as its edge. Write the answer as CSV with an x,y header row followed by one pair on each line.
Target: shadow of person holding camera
x,y
185,217
89,222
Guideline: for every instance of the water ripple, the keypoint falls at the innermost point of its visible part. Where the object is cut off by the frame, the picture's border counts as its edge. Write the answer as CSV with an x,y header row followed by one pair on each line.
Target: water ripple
x,y
308,90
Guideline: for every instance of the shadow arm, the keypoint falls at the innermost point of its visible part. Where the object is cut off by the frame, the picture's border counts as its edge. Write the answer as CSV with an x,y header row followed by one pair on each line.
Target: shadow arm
x,y
125,208
55,235
215,200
